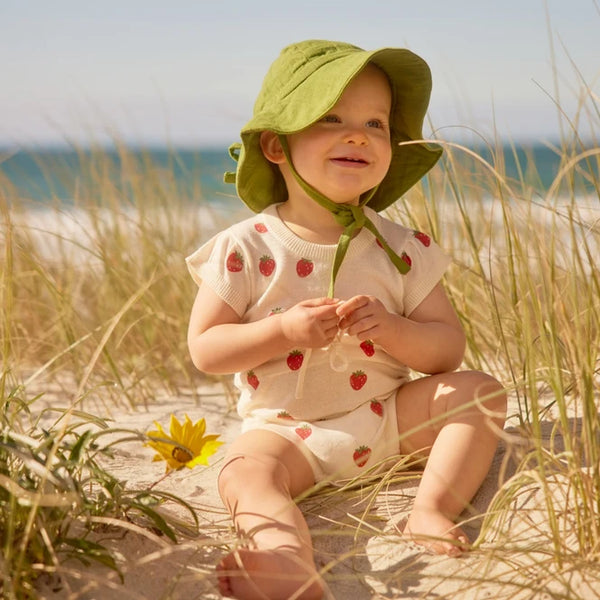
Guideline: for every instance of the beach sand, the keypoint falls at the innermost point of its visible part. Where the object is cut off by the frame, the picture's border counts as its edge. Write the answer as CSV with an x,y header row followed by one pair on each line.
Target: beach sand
x,y
356,542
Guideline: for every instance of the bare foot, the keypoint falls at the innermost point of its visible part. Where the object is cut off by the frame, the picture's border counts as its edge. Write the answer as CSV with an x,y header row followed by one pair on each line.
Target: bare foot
x,y
268,575
436,532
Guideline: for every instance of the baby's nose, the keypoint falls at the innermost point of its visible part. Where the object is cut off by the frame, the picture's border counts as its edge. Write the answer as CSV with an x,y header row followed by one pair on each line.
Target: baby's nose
x,y
356,136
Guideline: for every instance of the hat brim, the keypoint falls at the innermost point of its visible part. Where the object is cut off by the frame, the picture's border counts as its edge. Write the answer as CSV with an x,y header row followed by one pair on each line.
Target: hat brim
x,y
308,95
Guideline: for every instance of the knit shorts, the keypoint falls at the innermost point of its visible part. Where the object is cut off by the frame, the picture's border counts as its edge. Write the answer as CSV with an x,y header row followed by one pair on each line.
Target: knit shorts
x,y
341,447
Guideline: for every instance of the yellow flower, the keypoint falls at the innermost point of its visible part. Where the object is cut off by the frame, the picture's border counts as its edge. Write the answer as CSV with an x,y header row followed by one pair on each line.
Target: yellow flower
x,y
186,446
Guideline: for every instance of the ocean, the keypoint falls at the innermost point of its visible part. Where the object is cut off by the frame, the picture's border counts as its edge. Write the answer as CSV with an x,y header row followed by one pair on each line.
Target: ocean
x,y
52,175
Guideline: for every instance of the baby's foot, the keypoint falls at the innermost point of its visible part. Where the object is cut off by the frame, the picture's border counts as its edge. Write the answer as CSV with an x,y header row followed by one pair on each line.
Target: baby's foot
x,y
436,532
268,575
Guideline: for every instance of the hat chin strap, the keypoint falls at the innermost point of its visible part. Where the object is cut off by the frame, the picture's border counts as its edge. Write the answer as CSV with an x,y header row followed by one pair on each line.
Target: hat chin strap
x,y
350,217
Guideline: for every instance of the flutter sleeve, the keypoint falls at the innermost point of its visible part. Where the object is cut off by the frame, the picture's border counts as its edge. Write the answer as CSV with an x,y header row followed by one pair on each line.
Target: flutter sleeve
x,y
222,265
428,264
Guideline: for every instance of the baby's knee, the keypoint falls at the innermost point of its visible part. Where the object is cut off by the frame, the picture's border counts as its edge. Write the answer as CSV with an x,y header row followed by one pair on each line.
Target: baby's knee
x,y
244,473
489,393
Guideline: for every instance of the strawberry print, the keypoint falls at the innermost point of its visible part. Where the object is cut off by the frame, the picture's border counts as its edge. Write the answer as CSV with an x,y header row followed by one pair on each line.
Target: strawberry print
x,y
303,431
284,414
275,311
235,262
368,348
361,455
267,265
377,407
423,238
406,258
294,360
252,379
260,227
304,267
358,380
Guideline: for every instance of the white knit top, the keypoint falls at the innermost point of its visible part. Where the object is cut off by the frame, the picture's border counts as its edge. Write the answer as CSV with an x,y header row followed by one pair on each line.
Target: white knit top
x,y
260,267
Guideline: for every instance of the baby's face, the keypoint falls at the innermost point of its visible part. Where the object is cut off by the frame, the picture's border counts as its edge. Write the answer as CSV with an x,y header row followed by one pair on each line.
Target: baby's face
x,y
348,151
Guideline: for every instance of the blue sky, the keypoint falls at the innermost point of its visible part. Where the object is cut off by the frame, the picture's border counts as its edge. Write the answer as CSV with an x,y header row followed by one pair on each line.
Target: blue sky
x,y
186,72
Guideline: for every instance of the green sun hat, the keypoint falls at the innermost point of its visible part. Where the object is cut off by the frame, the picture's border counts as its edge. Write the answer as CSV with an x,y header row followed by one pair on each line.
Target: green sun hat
x,y
303,84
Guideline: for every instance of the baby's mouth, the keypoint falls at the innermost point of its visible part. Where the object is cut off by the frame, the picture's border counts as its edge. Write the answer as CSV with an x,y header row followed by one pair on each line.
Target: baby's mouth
x,y
350,160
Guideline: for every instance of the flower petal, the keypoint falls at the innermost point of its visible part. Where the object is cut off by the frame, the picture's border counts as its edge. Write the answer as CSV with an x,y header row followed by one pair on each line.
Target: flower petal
x,y
175,428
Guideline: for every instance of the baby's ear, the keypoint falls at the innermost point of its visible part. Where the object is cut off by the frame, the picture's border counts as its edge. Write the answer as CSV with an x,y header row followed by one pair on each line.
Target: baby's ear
x,y
271,147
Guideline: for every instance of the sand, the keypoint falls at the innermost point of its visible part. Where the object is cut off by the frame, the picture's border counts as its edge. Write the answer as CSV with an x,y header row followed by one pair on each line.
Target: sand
x,y
356,542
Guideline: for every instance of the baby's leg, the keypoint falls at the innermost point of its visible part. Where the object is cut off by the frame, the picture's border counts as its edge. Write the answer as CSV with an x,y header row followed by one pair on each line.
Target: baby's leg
x,y
437,417
261,476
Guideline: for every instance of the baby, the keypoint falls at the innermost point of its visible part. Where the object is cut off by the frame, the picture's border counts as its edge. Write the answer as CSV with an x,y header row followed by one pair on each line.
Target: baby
x,y
322,308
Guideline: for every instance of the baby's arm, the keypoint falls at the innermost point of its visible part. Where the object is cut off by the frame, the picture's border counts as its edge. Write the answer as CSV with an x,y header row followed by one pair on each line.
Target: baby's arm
x,y
220,343
430,340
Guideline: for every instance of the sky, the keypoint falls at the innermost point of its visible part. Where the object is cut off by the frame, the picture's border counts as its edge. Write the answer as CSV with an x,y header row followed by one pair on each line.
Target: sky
x,y
186,72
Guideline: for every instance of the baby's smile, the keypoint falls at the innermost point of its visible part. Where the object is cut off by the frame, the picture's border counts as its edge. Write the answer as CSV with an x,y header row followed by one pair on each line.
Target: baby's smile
x,y
350,161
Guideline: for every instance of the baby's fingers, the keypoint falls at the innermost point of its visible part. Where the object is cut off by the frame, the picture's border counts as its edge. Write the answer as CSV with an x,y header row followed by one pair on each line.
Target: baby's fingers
x,y
349,306
324,301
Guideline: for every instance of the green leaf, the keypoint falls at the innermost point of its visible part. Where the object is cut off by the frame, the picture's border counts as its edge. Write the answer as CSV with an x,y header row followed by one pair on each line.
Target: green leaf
x,y
77,448
158,521
86,550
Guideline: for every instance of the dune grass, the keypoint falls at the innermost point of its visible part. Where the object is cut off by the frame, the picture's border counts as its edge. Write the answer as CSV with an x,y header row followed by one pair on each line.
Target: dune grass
x,y
95,304
96,298
526,285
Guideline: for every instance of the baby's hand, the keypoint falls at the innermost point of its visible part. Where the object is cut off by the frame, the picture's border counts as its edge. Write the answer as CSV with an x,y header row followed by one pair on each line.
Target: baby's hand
x,y
311,323
363,316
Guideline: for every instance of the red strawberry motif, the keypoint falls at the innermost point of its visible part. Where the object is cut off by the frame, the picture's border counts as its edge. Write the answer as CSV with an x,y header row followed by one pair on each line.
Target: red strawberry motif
x,y
377,407
406,258
235,262
267,265
358,379
284,414
260,227
294,360
303,431
423,238
252,379
304,267
276,311
361,455
368,348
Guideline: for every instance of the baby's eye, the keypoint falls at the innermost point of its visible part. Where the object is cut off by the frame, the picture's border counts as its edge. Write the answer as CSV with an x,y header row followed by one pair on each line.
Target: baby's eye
x,y
330,119
376,123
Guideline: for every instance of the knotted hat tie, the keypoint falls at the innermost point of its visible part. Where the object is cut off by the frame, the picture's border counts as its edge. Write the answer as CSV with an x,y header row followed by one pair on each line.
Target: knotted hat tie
x,y
351,217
